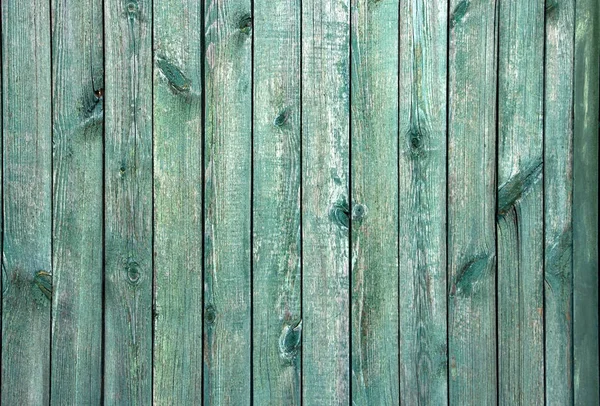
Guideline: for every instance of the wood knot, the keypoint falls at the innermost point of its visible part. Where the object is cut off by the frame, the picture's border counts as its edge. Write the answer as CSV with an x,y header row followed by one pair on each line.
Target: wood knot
x,y
359,211
43,281
245,24
282,118
210,314
339,213
134,273
177,80
289,341
459,12
132,9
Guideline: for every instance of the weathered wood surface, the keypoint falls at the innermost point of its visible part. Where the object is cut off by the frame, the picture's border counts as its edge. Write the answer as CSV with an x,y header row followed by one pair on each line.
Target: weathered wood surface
x,y
374,202
227,245
558,186
128,202
520,203
320,202
326,216
585,203
27,203
78,196
472,202
277,327
178,259
422,163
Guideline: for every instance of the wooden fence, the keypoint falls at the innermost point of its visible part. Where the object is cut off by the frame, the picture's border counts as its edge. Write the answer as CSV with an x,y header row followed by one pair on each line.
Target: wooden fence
x,y
285,202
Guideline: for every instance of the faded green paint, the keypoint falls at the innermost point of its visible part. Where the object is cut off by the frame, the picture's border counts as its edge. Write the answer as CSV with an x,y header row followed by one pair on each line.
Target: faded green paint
x,y
178,253
277,328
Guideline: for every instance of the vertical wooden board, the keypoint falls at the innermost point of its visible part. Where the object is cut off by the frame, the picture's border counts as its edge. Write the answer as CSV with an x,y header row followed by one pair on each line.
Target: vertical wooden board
x,y
277,327
374,202
27,160
558,188
325,202
228,153
77,89
128,202
520,203
178,202
585,203
472,202
422,160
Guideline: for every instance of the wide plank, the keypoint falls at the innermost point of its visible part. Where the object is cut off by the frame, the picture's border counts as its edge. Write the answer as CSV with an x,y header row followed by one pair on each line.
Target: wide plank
x,y
178,284
472,202
128,202
520,203
558,189
277,326
325,202
77,249
27,203
422,160
227,237
585,203
374,202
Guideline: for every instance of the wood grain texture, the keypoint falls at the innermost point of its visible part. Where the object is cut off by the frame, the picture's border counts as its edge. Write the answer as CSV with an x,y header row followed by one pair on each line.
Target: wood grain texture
x,y
77,88
277,328
325,202
558,188
472,202
585,203
178,217
228,152
374,202
128,202
27,203
520,203
422,162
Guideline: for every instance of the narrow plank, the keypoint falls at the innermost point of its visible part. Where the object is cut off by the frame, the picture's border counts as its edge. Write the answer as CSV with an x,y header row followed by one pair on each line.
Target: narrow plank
x,y
178,202
277,327
228,163
325,202
520,203
558,189
27,161
128,202
422,158
77,88
374,203
472,202
585,203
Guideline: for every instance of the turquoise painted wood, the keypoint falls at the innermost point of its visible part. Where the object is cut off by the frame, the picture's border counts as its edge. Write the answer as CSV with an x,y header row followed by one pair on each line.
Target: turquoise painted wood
x,y
318,202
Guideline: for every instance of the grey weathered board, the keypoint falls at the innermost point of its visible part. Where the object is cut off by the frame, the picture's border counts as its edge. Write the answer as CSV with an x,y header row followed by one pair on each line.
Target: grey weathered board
x,y
319,202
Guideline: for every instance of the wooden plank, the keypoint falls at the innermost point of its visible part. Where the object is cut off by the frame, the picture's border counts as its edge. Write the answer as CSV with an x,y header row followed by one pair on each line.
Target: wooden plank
x,y
27,149
178,202
585,203
277,324
558,188
520,203
325,202
374,202
228,163
472,202
422,158
78,82
128,202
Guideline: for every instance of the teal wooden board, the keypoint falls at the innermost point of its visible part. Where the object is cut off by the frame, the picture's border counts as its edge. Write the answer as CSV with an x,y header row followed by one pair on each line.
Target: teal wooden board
x,y
422,167
77,244
558,201
277,327
520,203
333,202
128,202
178,253
585,203
374,203
27,203
472,202
325,202
227,203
